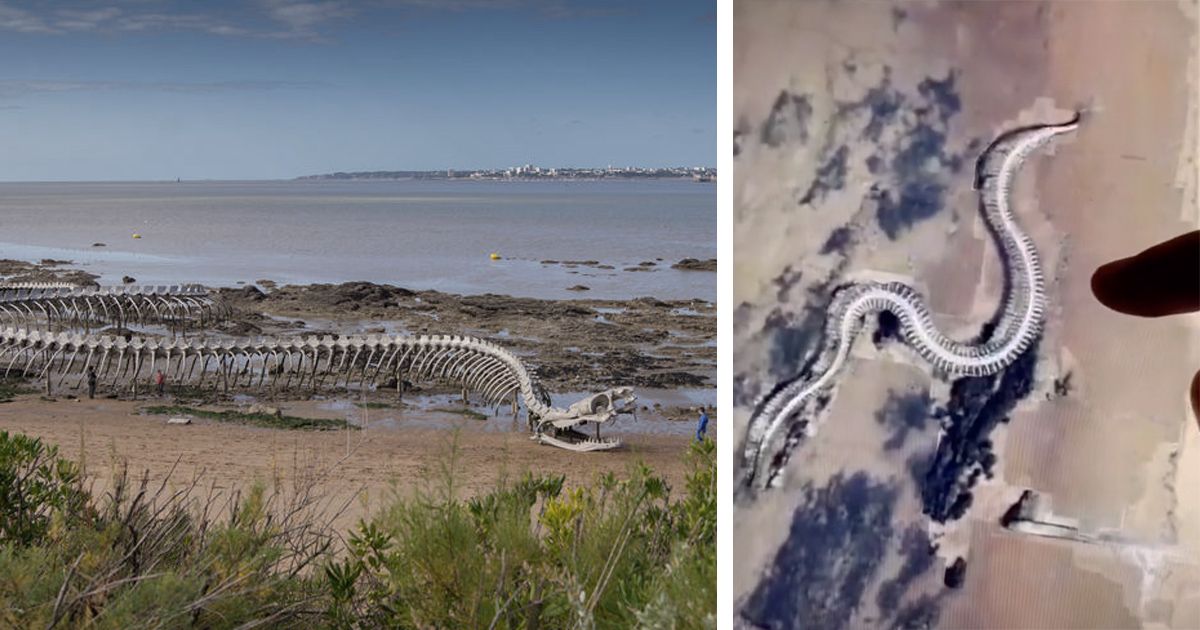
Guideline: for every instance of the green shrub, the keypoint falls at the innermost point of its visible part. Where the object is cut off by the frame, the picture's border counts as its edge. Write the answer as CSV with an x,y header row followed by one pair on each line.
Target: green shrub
x,y
10,388
530,554
145,556
35,485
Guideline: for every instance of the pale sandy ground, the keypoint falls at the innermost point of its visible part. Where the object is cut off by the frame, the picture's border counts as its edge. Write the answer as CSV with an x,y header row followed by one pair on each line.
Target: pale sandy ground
x,y
363,467
1120,456
1122,453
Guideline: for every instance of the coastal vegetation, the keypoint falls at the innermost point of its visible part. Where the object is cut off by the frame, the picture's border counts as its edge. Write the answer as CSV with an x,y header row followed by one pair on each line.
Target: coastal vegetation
x,y
373,405
531,552
466,412
12,387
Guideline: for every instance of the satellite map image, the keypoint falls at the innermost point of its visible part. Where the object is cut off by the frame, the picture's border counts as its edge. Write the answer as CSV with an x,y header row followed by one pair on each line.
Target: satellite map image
x,y
939,423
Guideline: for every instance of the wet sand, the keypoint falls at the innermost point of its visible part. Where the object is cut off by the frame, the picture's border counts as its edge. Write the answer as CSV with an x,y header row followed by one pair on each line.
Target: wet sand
x,y
361,467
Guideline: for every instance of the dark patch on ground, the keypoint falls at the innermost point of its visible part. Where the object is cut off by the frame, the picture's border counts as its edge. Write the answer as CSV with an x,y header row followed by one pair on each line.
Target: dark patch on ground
x,y
977,405
739,134
921,614
918,558
917,200
884,102
902,413
898,17
956,573
784,283
1062,386
887,326
921,188
1016,511
942,94
788,120
746,387
838,540
791,340
839,240
920,165
922,144
830,176
745,390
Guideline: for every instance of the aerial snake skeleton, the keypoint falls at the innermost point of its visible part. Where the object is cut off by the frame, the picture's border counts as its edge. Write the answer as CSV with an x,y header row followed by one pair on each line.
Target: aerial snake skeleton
x,y
1017,326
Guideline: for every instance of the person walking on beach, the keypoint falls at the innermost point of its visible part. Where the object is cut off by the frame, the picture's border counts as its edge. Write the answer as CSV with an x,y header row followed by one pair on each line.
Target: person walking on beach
x,y
159,381
702,427
91,382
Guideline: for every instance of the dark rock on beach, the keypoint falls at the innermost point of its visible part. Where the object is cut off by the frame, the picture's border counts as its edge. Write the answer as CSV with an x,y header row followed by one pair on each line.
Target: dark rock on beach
x,y
23,271
694,264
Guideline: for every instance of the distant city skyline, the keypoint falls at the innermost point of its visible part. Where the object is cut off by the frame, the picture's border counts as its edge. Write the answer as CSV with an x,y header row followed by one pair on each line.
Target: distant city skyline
x,y
531,171
276,89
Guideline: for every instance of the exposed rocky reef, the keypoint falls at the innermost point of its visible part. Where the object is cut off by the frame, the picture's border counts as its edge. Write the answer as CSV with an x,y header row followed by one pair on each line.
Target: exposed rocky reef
x,y
976,406
694,264
47,270
574,343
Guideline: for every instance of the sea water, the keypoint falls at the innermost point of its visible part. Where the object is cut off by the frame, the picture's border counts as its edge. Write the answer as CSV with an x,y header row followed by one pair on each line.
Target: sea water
x,y
418,234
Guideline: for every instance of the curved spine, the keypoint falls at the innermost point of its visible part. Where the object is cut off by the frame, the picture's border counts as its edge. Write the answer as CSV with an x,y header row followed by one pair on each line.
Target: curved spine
x,y
1019,324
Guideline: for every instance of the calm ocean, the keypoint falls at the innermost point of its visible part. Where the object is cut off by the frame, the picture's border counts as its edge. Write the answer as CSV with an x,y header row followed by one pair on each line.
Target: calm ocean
x,y
415,234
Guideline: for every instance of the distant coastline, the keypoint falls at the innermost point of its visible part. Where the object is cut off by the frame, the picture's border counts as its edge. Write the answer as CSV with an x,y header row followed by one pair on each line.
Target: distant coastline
x,y
529,172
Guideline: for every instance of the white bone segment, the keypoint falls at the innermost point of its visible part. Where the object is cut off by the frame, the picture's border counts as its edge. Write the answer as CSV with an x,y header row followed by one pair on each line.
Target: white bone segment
x,y
31,343
1018,325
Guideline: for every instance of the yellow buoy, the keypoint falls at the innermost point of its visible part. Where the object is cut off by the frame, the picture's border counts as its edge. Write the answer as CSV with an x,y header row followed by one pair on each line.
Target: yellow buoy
x,y
494,256
136,235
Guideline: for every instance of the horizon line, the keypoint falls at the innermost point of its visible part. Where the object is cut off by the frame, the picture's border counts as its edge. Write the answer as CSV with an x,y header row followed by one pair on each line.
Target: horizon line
x,y
298,177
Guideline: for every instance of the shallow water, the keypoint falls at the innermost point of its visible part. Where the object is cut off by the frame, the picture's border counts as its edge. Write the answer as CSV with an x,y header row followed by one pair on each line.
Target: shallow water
x,y
415,234
440,412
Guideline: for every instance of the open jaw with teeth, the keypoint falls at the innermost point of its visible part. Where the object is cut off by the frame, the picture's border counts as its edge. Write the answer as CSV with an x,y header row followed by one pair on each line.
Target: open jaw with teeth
x,y
45,332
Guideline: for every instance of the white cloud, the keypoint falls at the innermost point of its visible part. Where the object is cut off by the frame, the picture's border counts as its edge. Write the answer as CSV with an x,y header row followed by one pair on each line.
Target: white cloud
x,y
281,19
546,8
22,21
302,18
14,89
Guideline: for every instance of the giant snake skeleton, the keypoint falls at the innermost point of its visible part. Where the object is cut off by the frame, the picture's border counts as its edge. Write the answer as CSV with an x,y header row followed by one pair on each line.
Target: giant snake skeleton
x,y
266,364
1017,326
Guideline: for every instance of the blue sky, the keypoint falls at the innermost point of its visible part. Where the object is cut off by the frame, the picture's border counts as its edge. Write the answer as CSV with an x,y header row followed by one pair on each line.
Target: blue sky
x,y
152,89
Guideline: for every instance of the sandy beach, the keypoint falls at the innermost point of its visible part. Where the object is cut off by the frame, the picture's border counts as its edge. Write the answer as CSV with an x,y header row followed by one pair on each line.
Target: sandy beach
x,y
358,467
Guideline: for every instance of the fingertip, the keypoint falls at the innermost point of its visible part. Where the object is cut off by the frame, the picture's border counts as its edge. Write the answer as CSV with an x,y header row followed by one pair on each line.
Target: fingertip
x,y
1159,281
1196,396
